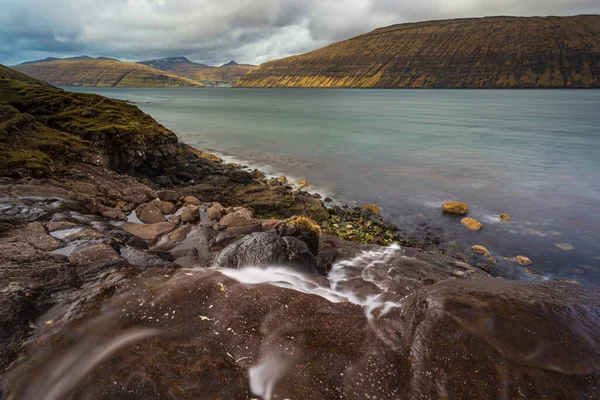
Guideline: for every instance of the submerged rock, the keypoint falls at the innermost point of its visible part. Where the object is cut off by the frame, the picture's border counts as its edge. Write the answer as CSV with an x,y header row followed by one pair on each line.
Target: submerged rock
x,y
455,207
505,217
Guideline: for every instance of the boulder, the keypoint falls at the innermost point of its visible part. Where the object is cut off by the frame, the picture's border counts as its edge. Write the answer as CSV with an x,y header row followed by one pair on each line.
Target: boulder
x,y
303,184
165,206
265,249
168,195
472,224
304,229
190,214
192,200
282,180
95,254
237,218
371,208
455,207
522,260
149,214
215,213
505,217
256,174
478,249
239,176
148,232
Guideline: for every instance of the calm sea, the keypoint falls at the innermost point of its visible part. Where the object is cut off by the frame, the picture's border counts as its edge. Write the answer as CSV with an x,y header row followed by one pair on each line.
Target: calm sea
x,y
533,154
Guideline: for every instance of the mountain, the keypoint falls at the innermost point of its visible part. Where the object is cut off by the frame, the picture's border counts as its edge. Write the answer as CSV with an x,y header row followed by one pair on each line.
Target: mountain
x,y
495,52
227,74
87,71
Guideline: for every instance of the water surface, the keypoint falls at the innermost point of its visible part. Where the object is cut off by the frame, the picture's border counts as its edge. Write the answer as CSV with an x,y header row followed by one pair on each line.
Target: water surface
x,y
534,154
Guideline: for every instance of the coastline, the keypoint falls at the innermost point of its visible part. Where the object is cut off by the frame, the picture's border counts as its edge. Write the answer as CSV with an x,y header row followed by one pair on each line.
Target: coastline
x,y
234,278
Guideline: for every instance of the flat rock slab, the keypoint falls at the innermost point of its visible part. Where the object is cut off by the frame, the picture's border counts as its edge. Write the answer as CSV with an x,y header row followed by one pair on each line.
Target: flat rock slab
x,y
149,232
94,254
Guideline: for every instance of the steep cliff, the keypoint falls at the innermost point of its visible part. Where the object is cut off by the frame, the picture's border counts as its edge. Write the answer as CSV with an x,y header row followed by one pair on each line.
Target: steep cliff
x,y
495,52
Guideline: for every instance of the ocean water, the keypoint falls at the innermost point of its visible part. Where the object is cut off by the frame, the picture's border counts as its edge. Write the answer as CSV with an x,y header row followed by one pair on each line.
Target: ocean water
x,y
533,154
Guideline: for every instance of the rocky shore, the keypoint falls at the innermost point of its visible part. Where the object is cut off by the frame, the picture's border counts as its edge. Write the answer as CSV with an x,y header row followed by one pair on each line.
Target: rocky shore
x,y
133,266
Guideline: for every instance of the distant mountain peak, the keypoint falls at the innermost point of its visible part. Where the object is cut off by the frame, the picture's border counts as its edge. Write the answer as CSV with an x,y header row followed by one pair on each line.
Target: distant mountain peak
x,y
230,64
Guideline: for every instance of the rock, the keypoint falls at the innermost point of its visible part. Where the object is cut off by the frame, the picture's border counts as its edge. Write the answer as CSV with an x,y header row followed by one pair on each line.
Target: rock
x,y
237,218
148,232
283,180
215,213
505,217
95,254
304,229
480,250
191,200
522,260
303,184
273,182
184,176
471,224
325,261
168,195
455,207
564,246
176,219
256,174
165,207
115,214
371,208
190,214
240,176
328,200
163,181
266,249
35,234
461,257
149,214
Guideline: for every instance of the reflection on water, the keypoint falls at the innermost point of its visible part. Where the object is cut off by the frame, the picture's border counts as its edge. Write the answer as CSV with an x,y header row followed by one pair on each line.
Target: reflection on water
x,y
531,154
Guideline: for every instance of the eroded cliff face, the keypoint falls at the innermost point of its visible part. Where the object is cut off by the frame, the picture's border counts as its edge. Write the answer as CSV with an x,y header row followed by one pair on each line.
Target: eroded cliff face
x,y
497,52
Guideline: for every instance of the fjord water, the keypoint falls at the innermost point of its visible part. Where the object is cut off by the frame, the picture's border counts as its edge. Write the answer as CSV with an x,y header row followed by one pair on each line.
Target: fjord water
x,y
532,154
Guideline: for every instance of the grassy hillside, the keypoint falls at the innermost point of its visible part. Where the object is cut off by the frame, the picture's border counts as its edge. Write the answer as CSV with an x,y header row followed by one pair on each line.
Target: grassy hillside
x,y
227,74
43,128
85,71
498,52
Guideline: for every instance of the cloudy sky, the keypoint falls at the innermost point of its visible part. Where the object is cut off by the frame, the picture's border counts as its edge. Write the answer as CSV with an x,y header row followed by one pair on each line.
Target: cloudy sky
x,y
216,31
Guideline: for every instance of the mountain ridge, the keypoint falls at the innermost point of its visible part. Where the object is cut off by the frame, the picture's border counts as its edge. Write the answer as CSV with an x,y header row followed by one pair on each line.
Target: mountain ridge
x,y
490,52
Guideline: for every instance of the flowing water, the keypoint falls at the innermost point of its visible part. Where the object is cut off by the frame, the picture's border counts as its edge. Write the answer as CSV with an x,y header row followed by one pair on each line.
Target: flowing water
x,y
532,154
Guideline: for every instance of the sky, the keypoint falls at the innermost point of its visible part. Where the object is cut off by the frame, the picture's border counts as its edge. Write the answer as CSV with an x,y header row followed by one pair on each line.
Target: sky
x,y
216,31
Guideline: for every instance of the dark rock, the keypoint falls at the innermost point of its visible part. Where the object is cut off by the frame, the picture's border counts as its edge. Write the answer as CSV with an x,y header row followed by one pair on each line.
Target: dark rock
x,y
325,261
266,249
240,176
168,195
256,174
163,181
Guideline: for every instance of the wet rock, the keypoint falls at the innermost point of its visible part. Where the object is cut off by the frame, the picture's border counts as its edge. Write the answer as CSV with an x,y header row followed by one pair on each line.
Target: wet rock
x,y
283,180
325,261
99,253
163,181
176,219
165,207
192,200
168,195
237,218
266,249
239,176
116,214
472,224
35,234
256,174
522,260
371,208
148,232
190,214
461,257
149,214
303,184
455,207
304,229
505,217
478,249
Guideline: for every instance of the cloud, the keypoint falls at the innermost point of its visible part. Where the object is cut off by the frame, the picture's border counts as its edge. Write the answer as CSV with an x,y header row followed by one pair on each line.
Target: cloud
x,y
214,32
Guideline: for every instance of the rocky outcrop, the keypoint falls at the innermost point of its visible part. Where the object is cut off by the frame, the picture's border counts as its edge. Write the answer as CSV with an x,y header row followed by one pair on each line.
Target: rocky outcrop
x,y
493,52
